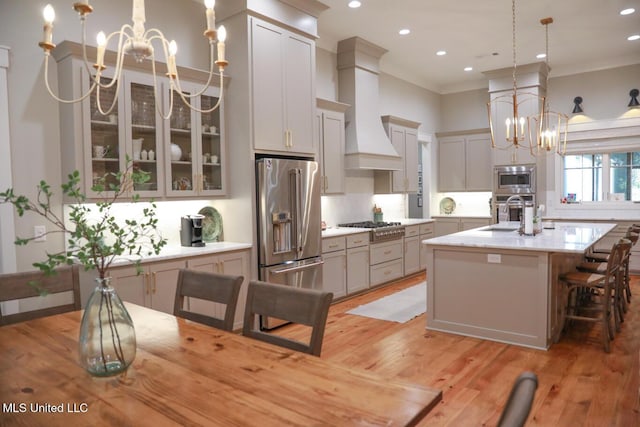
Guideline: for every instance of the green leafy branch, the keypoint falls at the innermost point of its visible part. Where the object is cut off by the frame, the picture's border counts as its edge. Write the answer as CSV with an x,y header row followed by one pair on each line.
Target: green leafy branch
x,y
94,241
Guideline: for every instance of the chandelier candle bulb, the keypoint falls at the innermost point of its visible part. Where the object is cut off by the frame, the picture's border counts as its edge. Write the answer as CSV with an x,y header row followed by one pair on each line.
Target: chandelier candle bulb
x,y
171,63
49,15
102,43
211,15
222,36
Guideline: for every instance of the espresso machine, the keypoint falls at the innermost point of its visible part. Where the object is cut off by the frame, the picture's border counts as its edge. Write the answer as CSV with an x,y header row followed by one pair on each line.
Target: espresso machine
x,y
191,230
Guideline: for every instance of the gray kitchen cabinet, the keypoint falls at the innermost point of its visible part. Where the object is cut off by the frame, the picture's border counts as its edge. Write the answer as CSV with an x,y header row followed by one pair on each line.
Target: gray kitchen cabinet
x,y
330,133
386,260
283,89
200,170
235,263
464,162
448,225
411,249
155,287
97,145
404,138
334,270
426,232
357,262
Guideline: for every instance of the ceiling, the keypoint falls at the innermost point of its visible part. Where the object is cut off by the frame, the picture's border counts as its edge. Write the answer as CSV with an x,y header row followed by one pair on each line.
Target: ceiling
x,y
586,35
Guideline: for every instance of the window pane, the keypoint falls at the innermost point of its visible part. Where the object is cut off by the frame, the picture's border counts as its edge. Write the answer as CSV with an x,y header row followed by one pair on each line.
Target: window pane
x,y
583,176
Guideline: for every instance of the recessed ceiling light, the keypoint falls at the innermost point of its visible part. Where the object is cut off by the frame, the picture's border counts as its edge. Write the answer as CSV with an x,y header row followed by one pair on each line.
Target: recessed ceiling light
x,y
628,11
441,52
468,68
633,37
404,31
541,55
354,4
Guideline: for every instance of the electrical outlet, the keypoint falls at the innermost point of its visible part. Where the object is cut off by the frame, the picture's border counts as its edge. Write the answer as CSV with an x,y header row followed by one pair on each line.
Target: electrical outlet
x,y
39,232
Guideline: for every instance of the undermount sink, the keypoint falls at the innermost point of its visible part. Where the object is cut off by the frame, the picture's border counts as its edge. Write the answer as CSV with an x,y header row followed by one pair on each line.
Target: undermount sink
x,y
499,228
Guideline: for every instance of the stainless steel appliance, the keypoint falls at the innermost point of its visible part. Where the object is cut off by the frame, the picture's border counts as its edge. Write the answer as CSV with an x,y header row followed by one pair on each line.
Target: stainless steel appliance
x,y
379,231
519,179
191,230
514,211
289,224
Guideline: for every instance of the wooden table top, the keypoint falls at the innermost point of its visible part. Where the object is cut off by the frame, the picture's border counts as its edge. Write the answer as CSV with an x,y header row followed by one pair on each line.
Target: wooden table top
x,y
190,374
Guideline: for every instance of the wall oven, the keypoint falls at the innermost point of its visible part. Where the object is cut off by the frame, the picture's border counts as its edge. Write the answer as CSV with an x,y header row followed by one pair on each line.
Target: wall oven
x,y
519,179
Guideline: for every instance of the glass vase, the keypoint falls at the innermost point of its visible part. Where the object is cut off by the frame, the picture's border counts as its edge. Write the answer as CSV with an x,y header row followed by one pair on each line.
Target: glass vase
x,y
107,337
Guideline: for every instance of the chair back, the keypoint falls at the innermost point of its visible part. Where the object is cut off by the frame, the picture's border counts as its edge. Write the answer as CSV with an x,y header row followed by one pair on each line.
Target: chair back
x,y
518,406
16,286
219,288
302,306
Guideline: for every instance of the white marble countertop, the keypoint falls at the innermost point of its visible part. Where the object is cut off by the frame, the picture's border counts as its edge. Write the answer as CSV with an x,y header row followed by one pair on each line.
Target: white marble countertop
x,y
342,231
461,216
565,237
413,221
173,252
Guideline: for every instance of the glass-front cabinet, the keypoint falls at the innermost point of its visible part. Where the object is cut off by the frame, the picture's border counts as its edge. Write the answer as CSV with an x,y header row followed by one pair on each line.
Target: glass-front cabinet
x,y
104,136
195,153
184,155
144,141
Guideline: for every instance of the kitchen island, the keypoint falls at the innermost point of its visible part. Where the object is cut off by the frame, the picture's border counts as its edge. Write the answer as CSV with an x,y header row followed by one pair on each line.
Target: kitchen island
x,y
495,284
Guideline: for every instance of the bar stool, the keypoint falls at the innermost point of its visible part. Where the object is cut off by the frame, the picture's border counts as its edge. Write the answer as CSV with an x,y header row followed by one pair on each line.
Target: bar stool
x,y
602,255
618,297
595,286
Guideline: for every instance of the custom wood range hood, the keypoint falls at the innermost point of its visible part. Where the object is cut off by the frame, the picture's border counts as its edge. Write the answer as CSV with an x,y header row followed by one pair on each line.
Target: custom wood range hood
x,y
367,144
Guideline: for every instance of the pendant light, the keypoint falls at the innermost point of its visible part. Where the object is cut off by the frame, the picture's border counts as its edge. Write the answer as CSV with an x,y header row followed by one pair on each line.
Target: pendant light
x,y
551,136
515,113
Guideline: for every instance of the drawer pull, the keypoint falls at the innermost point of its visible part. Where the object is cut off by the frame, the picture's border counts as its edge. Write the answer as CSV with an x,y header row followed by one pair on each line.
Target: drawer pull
x,y
388,272
334,246
357,241
387,252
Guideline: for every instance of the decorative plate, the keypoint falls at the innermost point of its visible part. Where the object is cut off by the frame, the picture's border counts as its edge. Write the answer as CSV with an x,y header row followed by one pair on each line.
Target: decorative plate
x,y
447,205
211,224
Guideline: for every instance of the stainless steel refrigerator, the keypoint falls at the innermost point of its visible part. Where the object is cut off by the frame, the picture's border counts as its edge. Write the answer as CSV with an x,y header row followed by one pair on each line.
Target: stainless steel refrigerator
x,y
289,224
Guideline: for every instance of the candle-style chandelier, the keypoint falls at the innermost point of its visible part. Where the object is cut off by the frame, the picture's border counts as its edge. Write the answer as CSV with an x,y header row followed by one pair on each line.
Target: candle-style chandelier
x,y
552,135
521,112
137,41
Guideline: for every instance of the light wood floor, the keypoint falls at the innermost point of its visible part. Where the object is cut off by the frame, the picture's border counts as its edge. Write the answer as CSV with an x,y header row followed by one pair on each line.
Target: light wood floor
x,y
579,384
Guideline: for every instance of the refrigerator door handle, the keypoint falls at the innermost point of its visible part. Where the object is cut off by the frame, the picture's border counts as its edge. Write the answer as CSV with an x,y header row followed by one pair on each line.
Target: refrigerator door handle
x,y
297,268
296,191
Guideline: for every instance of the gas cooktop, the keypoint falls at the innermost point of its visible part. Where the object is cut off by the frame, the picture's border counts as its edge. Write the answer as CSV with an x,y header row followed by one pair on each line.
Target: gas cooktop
x,y
370,224
379,231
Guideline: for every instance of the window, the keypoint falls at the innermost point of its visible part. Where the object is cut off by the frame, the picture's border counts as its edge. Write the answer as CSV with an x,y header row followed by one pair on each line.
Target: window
x,y
589,175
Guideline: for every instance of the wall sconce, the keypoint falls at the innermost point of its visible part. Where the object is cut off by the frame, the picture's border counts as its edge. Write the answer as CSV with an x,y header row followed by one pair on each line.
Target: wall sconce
x,y
634,99
577,107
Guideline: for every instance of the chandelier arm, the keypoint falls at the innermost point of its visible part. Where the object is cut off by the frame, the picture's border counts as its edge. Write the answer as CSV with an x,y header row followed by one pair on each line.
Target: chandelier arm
x,y
120,57
98,103
199,110
155,91
205,86
53,95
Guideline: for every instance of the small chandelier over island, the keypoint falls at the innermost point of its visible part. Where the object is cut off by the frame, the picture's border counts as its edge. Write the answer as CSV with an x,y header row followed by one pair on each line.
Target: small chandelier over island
x,y
138,42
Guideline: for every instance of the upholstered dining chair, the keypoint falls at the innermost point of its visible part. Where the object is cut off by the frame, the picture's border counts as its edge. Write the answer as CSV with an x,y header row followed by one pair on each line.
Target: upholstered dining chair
x,y
301,306
219,288
518,406
588,296
17,286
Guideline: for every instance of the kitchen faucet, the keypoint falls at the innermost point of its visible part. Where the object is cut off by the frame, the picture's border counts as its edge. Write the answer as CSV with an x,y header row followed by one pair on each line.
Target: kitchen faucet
x,y
506,207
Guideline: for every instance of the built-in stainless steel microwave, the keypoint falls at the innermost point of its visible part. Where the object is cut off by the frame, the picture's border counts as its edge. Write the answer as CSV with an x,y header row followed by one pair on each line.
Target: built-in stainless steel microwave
x,y
520,179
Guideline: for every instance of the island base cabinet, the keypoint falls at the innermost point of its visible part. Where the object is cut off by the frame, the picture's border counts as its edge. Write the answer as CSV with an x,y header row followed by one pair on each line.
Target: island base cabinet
x,y
234,263
500,295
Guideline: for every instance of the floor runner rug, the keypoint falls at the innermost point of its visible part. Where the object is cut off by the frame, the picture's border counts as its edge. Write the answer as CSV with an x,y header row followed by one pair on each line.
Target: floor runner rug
x,y
400,307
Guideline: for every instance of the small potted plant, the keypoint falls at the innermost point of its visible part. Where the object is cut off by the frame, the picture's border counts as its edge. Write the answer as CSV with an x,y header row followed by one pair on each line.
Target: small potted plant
x,y
96,239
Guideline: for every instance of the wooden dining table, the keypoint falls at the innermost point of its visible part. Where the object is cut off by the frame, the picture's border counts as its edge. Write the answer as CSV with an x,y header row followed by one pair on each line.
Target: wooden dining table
x,y
190,374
